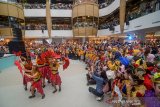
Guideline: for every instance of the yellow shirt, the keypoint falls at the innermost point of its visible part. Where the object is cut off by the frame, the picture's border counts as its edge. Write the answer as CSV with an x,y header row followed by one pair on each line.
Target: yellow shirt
x,y
136,51
81,52
140,88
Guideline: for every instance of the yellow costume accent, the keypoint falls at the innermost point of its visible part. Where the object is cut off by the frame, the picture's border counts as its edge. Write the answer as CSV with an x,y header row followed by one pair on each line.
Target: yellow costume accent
x,y
38,76
144,65
54,68
138,62
155,77
111,65
117,63
136,51
114,49
139,88
116,67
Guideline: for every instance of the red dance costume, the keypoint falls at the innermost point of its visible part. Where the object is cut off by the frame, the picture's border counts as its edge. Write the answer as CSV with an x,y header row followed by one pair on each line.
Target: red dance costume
x,y
47,70
17,63
37,83
28,66
55,75
42,68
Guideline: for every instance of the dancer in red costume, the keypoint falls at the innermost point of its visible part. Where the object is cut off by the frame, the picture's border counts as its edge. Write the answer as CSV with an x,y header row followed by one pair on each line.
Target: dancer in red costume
x,y
28,66
55,77
41,67
36,83
47,70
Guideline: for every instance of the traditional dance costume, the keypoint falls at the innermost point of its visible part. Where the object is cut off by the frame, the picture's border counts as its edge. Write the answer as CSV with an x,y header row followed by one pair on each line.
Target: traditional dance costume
x,y
42,68
47,70
26,79
37,83
55,74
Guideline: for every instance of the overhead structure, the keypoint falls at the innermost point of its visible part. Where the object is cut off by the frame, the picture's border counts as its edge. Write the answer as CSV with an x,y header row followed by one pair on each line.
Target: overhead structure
x,y
12,25
48,18
85,18
13,20
122,14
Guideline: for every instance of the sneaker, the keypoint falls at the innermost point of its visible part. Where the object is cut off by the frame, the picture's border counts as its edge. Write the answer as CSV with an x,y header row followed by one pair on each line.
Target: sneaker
x,y
32,96
43,96
99,98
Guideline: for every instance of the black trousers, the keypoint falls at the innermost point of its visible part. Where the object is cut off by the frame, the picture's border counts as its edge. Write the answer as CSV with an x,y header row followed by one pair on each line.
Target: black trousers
x,y
94,91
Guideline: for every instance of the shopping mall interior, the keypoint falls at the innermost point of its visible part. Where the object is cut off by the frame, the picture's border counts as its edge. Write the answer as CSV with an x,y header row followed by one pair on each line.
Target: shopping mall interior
x,y
80,53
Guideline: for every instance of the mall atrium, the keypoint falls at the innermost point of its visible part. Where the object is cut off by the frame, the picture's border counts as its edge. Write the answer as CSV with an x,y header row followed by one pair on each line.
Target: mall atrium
x,y
80,53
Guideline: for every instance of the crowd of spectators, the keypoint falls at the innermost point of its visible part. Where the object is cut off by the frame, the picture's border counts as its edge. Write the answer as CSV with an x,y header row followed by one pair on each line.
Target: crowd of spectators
x,y
85,1
53,6
144,9
110,24
61,26
85,24
61,6
105,4
33,26
66,6
35,6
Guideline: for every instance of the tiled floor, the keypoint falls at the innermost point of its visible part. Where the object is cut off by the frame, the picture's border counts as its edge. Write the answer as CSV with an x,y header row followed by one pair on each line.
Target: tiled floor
x,y
74,90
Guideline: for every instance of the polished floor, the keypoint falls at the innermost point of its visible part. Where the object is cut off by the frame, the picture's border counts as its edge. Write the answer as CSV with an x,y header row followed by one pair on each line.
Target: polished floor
x,y
74,90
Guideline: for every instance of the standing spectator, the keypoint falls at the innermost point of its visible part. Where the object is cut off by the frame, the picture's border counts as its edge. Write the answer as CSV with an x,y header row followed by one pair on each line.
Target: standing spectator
x,y
148,8
153,5
42,27
157,5
142,8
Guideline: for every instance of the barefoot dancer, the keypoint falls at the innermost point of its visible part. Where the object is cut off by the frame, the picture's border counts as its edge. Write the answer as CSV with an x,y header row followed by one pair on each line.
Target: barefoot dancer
x,y
36,83
41,67
28,66
55,78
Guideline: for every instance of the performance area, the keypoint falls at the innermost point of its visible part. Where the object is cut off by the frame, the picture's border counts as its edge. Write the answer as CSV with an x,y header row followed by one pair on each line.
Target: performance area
x,y
74,90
